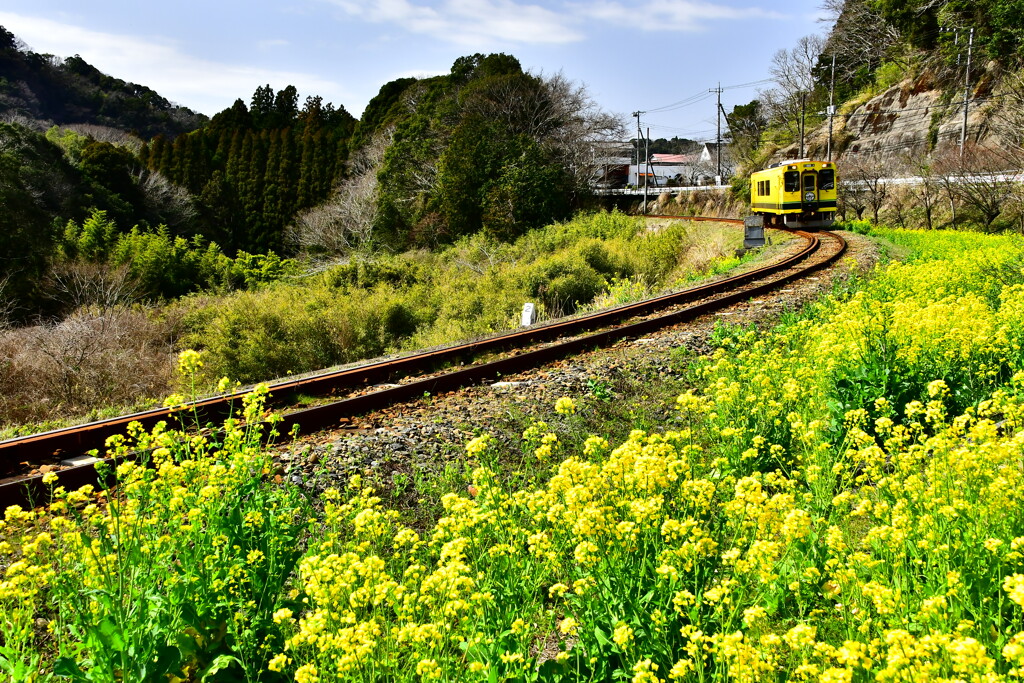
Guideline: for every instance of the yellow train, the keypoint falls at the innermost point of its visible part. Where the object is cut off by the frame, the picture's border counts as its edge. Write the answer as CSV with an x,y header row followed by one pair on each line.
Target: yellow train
x,y
795,194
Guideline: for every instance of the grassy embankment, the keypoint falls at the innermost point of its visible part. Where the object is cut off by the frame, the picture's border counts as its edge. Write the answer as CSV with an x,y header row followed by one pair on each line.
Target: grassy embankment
x,y
101,362
839,499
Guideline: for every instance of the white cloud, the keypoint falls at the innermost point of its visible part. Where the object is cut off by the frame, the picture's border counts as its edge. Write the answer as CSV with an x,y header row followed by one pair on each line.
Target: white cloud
x,y
478,23
158,63
471,23
272,43
668,15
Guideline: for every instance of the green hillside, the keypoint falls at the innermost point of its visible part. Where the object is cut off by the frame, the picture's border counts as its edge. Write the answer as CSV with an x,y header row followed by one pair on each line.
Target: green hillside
x,y
71,91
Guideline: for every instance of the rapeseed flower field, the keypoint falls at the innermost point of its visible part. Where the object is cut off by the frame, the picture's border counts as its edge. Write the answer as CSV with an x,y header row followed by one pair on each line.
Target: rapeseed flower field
x,y
838,499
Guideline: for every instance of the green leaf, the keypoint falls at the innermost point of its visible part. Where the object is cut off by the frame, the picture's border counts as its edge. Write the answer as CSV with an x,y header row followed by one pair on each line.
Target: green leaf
x,y
220,663
168,659
186,645
550,671
66,667
110,635
12,663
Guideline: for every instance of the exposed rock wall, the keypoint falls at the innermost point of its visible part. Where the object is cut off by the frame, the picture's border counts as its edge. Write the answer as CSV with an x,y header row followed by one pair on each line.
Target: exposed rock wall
x,y
911,117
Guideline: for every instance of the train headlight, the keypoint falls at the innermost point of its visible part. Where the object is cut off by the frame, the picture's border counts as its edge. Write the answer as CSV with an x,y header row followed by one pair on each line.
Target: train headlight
x,y
809,196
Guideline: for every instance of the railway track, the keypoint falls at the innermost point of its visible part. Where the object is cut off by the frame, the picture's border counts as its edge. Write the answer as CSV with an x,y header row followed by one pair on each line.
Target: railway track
x,y
352,392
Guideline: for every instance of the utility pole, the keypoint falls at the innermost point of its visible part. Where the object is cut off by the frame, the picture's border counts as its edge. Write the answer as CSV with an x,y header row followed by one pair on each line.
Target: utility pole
x,y
803,117
967,91
967,79
831,104
639,134
647,164
718,136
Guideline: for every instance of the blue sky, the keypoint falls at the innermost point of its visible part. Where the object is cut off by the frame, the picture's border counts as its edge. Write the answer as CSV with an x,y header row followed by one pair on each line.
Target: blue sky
x,y
630,54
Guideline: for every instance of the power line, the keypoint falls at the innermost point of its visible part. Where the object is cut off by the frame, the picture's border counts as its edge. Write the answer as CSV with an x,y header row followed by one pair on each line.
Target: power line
x,y
980,100
693,99
748,85
683,131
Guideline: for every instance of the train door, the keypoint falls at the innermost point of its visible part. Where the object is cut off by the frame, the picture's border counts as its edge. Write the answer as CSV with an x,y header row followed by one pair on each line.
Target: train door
x,y
809,195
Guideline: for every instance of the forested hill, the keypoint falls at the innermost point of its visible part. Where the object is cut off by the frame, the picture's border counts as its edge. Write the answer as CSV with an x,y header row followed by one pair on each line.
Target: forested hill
x,y
252,168
175,197
71,91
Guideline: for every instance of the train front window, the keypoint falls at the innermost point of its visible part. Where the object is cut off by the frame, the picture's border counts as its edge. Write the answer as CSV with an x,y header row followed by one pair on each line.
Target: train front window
x,y
791,179
827,179
808,182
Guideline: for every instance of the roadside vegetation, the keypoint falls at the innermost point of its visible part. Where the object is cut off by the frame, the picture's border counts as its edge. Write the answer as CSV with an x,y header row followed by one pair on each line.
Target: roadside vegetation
x,y
260,317
835,499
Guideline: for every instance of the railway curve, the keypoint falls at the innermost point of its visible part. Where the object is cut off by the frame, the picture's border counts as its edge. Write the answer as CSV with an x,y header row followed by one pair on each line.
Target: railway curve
x,y
530,347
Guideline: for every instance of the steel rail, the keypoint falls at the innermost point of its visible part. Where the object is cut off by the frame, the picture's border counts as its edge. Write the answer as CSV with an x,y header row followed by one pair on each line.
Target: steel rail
x,y
82,438
27,490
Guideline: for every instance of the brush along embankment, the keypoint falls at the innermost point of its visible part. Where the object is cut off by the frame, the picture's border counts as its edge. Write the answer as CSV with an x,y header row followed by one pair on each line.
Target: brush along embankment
x,y
836,499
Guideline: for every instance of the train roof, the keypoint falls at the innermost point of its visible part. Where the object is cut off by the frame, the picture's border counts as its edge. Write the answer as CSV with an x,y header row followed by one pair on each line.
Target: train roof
x,y
797,161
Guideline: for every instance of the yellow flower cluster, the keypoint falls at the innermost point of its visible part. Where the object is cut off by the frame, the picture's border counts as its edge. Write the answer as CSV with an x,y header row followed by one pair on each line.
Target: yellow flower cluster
x,y
190,540
812,518
839,500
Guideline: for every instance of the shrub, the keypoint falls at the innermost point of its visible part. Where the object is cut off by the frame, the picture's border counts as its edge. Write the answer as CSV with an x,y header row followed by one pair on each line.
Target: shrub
x,y
861,227
369,307
93,360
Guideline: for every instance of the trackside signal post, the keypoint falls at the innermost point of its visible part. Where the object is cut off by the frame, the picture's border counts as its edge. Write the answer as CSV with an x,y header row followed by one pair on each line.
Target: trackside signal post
x,y
753,232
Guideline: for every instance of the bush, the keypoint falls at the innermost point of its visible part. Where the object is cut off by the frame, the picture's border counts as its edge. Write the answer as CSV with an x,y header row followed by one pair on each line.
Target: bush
x,y
93,360
861,227
166,266
477,286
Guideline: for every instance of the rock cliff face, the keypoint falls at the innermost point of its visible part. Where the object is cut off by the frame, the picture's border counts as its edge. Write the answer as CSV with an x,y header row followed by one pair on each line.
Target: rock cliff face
x,y
911,117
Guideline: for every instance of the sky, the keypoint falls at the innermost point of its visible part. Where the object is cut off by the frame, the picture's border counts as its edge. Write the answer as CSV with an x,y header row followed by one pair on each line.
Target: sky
x,y
662,57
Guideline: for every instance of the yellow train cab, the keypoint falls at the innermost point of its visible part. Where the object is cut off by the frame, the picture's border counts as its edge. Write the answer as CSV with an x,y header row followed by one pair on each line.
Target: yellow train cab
x,y
800,193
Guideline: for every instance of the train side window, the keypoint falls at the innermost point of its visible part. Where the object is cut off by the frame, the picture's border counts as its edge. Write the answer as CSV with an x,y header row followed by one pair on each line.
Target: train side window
x,y
827,179
767,187
792,181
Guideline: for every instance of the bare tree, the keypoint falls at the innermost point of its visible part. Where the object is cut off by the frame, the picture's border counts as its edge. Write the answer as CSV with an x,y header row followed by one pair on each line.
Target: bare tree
x,y
980,180
344,222
7,303
859,37
581,128
927,190
78,284
867,176
793,71
900,207
853,197
1008,123
1016,200
96,358
172,203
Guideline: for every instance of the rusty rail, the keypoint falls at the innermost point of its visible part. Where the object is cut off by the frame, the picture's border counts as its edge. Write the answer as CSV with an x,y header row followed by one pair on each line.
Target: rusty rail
x,y
77,440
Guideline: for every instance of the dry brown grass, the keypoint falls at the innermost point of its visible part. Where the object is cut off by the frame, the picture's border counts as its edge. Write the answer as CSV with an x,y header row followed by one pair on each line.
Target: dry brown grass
x,y
709,243
94,359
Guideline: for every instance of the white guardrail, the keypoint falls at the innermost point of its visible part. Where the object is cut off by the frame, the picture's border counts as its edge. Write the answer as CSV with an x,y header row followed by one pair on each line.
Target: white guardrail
x,y
1004,177
657,189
